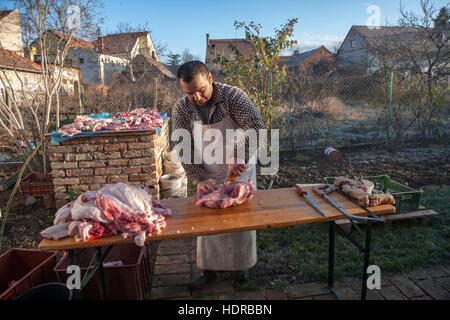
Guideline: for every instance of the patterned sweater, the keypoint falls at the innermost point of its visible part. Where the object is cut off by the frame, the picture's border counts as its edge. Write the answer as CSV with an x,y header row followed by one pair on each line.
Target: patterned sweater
x,y
238,105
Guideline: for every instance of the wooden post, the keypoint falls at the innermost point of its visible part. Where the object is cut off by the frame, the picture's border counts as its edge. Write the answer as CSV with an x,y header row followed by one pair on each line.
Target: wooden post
x,y
81,98
155,92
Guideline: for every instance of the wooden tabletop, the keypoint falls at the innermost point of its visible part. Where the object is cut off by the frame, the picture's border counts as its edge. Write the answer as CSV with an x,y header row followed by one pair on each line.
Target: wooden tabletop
x,y
267,209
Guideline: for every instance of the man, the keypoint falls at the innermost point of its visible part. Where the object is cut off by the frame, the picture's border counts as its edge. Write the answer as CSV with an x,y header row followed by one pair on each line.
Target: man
x,y
220,107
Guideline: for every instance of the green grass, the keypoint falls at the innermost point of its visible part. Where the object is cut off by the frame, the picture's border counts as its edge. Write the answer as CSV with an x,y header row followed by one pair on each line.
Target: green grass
x,y
407,246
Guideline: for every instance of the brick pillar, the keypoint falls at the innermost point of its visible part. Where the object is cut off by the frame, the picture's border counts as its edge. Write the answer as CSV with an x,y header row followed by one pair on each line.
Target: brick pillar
x,y
89,163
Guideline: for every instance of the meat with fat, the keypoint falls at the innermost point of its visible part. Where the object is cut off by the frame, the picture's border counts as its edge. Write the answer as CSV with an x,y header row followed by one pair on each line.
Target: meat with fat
x,y
229,195
357,190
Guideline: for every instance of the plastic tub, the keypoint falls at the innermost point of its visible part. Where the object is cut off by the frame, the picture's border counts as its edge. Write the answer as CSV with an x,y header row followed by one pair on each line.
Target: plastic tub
x,y
47,291
22,269
34,184
123,282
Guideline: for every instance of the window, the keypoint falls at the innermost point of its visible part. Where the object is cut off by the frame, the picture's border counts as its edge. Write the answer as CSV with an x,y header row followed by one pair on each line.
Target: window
x,y
81,60
25,81
213,46
352,43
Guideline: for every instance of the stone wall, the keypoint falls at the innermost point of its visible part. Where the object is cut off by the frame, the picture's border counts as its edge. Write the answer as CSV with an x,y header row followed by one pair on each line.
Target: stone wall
x,y
89,163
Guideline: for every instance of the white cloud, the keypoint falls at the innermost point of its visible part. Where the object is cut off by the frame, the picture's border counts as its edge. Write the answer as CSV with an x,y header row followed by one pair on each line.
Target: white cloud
x,y
312,41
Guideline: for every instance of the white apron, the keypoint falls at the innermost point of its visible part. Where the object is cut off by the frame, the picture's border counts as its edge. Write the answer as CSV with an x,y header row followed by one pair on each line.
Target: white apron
x,y
233,251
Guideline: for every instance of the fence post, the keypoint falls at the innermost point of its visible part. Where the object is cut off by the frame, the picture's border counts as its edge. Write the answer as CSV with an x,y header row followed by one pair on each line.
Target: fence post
x,y
155,92
81,97
388,119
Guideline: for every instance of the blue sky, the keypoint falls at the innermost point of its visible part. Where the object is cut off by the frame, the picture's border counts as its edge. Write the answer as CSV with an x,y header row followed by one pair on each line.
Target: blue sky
x,y
184,24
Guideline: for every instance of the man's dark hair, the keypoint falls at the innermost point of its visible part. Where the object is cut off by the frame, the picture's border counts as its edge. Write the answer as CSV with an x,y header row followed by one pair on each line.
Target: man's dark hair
x,y
190,69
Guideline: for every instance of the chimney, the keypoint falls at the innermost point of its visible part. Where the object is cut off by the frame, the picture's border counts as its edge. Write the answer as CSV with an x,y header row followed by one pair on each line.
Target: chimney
x,y
296,52
207,40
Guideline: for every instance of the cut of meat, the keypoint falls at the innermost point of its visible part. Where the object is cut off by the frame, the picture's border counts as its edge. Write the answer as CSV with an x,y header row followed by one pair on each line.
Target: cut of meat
x,y
137,119
84,208
357,190
120,207
230,195
64,214
56,232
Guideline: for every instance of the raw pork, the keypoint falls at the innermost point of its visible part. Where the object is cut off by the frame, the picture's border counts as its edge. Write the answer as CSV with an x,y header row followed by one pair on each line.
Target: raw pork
x,y
105,212
136,119
229,195
357,190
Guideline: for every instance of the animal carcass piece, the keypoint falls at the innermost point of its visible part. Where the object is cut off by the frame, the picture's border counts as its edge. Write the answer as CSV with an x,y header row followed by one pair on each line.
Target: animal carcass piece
x,y
357,190
229,195
110,210
143,119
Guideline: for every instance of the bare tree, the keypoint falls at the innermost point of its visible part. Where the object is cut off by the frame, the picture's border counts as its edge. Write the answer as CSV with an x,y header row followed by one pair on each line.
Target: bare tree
x,y
53,24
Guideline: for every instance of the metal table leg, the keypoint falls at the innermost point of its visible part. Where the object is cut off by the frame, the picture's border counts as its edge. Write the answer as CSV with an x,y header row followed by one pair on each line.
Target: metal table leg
x,y
364,249
101,274
366,261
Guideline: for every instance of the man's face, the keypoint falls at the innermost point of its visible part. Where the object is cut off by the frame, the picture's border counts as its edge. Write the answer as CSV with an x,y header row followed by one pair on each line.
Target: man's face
x,y
199,90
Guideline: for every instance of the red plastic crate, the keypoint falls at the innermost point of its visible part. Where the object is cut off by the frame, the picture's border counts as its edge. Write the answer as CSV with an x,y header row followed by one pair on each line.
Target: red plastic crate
x,y
32,185
125,282
27,268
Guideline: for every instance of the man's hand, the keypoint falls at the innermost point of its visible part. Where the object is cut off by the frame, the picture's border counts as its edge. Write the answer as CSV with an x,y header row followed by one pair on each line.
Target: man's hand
x,y
235,170
205,187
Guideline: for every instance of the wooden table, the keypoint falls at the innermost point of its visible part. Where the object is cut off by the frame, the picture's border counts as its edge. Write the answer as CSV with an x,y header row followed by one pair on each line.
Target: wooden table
x,y
274,208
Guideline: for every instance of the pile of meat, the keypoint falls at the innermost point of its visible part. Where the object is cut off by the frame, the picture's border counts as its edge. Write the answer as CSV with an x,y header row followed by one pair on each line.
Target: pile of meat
x,y
136,119
357,190
229,195
108,211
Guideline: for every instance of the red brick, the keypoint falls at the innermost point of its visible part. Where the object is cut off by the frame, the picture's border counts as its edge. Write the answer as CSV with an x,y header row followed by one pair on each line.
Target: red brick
x,y
69,157
140,145
83,157
129,139
118,163
66,181
147,137
79,172
141,161
138,177
90,148
115,147
56,157
76,141
102,171
60,149
92,164
58,173
64,165
116,179
107,155
132,154
103,140
132,170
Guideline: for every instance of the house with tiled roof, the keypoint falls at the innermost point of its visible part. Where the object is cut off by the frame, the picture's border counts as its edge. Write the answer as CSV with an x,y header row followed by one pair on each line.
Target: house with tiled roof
x,y
318,61
24,76
147,68
97,66
358,52
10,32
221,47
127,45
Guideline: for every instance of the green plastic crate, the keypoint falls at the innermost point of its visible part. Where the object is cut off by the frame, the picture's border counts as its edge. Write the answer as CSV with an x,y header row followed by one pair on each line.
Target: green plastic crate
x,y
406,198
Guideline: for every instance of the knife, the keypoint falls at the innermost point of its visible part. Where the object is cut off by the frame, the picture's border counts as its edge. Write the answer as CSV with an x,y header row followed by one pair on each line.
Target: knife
x,y
304,194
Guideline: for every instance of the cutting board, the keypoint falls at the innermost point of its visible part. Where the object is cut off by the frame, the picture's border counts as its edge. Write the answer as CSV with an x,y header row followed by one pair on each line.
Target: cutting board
x,y
274,208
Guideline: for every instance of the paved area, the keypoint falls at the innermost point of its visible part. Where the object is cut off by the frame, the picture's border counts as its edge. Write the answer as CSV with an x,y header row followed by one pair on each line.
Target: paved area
x,y
175,267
